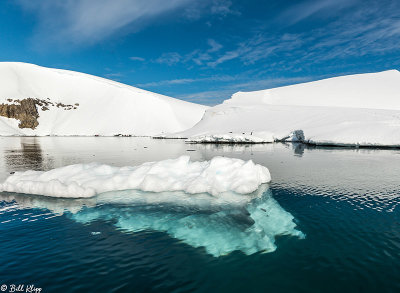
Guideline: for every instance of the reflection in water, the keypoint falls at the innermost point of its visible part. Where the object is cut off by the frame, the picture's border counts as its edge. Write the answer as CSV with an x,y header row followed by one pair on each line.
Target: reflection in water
x,y
220,226
28,154
57,206
299,148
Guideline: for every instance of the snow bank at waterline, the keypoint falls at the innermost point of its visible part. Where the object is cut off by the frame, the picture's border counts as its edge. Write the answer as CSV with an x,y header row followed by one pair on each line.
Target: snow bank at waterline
x,y
315,125
354,110
215,177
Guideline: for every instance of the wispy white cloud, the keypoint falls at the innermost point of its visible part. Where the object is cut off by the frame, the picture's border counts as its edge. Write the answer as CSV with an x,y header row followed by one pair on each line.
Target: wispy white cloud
x,y
214,46
114,76
259,47
228,56
305,9
220,78
170,58
167,82
220,8
87,21
136,58
197,56
77,22
371,29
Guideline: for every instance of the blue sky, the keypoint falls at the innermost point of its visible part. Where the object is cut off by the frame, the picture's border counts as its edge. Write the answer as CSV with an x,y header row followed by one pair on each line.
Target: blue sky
x,y
202,50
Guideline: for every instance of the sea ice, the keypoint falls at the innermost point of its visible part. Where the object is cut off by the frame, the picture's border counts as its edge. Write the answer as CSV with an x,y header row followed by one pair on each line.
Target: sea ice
x,y
217,176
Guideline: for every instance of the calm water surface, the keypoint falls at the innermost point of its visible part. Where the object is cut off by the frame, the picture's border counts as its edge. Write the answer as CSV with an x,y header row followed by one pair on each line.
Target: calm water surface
x,y
331,216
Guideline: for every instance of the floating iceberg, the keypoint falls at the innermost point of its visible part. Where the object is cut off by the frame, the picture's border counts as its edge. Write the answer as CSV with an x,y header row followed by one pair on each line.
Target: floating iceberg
x,y
216,177
221,205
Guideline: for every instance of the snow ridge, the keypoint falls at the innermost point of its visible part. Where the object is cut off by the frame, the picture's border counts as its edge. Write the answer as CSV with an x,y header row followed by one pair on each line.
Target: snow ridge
x,y
106,108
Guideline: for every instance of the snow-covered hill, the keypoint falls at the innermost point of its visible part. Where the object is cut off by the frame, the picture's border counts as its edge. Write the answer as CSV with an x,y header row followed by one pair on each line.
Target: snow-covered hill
x,y
372,90
72,103
352,110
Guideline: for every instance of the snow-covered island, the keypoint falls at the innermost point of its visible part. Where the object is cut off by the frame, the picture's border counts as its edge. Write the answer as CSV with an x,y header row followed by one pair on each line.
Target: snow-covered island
x,y
354,110
42,101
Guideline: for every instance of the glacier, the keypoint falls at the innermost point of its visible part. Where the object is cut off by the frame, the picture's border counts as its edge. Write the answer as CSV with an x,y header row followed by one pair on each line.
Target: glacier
x,y
354,110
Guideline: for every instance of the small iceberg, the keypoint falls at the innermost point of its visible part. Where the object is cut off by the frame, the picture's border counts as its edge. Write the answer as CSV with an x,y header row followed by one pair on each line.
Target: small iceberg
x,y
222,205
217,176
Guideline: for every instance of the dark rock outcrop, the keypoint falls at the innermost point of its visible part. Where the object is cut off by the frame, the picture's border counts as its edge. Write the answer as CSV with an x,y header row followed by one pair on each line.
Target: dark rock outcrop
x,y
23,110
26,112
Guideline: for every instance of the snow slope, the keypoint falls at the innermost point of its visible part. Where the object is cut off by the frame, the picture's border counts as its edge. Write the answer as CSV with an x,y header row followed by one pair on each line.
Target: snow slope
x,y
105,107
372,90
354,110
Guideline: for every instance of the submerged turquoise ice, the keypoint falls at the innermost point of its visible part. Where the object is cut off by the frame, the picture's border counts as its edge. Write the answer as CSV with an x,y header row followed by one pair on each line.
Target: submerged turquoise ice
x,y
219,229
249,225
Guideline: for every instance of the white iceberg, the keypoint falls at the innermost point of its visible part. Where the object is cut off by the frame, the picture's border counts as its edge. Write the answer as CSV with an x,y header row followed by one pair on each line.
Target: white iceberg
x,y
217,176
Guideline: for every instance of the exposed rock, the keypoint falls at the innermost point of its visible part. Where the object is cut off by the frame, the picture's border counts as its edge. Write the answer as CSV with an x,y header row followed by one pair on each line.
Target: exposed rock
x,y
26,112
23,110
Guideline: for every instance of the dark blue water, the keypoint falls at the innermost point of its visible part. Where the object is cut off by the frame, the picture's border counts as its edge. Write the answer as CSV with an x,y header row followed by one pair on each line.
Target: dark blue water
x,y
344,201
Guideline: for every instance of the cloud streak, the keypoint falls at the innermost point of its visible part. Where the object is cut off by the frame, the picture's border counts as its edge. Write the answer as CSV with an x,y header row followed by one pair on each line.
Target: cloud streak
x,y
136,58
86,22
368,30
197,56
306,9
219,78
